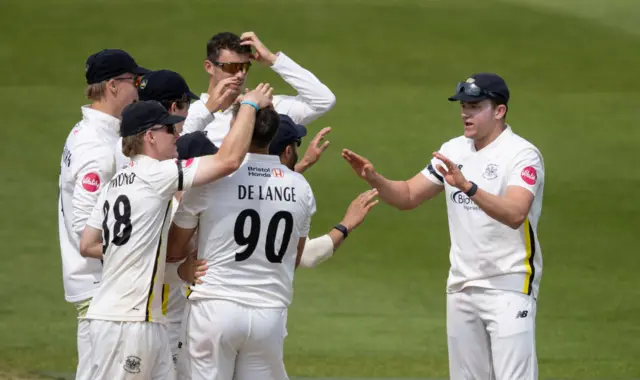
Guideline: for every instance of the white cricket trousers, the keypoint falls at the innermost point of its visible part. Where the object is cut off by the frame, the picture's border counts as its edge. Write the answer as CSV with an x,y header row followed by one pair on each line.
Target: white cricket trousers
x,y
228,341
84,350
491,335
130,350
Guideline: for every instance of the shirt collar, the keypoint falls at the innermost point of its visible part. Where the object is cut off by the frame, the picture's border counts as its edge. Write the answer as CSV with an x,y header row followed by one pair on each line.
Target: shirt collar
x,y
141,159
204,97
262,157
504,135
101,119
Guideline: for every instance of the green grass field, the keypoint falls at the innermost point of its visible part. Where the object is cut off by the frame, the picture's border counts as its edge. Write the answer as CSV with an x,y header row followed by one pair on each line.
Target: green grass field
x,y
377,308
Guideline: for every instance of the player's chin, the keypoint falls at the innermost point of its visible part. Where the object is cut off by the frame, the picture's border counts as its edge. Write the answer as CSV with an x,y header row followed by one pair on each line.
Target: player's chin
x,y
469,131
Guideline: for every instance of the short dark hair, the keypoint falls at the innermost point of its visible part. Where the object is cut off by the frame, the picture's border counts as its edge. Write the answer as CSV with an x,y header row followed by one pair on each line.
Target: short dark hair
x,y
266,127
225,41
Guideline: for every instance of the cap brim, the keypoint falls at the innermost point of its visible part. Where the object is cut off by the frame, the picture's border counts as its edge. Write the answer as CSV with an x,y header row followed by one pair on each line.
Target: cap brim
x,y
301,130
193,96
462,97
141,71
172,119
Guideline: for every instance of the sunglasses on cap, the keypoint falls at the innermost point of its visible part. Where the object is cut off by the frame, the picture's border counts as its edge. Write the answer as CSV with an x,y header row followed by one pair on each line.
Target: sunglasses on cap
x,y
233,67
472,89
169,128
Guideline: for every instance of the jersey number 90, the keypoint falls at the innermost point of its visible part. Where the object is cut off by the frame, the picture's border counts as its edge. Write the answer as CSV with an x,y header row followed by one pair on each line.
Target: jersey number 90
x,y
122,227
251,240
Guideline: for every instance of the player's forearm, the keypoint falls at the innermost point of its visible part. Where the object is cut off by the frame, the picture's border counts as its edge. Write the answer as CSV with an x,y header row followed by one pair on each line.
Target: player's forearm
x,y
394,193
500,208
315,93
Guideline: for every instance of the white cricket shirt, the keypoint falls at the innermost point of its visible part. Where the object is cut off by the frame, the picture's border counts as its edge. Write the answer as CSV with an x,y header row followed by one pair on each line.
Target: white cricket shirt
x,y
133,213
314,99
249,225
484,252
87,164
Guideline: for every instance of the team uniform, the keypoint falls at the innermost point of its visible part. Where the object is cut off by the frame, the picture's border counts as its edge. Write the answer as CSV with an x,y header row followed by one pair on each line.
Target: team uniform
x,y
249,225
127,322
495,271
87,164
314,99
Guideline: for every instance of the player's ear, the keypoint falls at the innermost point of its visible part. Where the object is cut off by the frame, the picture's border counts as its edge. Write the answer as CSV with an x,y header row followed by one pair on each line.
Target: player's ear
x,y
111,86
208,67
288,151
500,111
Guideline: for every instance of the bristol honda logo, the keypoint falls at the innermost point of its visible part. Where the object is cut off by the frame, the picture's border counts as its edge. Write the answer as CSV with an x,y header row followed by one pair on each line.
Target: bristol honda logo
x,y
460,198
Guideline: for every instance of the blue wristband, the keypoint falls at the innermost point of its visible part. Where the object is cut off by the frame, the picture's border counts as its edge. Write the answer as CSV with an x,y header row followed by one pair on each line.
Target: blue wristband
x,y
252,104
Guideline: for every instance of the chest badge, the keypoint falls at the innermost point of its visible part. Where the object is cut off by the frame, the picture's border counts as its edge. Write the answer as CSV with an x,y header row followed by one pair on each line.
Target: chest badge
x,y
491,171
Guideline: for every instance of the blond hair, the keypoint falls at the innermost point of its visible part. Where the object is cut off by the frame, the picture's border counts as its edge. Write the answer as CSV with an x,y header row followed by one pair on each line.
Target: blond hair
x,y
132,145
95,92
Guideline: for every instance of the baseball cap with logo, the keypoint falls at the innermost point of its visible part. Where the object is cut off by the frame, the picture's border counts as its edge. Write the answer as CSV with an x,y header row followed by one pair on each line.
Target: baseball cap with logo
x,y
109,63
164,85
195,144
141,116
480,87
288,133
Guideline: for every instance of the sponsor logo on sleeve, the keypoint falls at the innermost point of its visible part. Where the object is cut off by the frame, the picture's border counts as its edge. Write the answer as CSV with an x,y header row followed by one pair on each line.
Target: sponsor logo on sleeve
x,y
91,182
529,175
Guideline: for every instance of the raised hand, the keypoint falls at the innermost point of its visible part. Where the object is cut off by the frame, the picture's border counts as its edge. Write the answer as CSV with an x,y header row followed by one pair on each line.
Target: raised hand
x,y
262,53
452,174
262,95
224,94
313,153
362,166
359,208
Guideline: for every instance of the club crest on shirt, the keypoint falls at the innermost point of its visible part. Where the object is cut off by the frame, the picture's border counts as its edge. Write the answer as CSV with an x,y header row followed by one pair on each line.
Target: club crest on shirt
x,y
491,171
132,364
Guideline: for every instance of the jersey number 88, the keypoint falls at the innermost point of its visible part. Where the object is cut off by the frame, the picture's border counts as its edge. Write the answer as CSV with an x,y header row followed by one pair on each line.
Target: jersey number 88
x,y
122,227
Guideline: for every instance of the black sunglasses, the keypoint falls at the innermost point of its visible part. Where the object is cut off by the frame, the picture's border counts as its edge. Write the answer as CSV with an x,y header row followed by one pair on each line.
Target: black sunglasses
x,y
233,67
169,128
472,89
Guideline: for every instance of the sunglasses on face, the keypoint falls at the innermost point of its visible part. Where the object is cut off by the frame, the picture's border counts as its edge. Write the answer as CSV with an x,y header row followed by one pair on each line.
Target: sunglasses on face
x,y
169,128
135,80
472,89
233,67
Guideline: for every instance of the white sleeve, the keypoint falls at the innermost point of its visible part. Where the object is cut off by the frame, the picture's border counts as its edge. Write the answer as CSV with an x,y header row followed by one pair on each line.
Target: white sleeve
x,y
171,275
97,214
527,170
91,176
197,118
314,99
310,209
431,172
170,176
192,204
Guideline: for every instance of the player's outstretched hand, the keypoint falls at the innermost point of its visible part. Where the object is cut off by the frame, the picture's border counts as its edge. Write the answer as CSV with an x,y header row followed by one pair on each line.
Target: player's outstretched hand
x,y
359,208
224,94
317,146
262,53
362,166
192,269
262,95
452,174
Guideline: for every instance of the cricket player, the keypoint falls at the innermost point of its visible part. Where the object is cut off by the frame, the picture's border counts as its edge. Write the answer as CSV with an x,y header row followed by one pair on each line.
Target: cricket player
x,y
493,180
253,226
87,164
127,228
171,90
229,58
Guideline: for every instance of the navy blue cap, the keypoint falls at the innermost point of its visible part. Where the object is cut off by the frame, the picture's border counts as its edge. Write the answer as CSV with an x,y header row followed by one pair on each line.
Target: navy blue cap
x,y
195,144
288,133
140,116
163,85
480,87
109,63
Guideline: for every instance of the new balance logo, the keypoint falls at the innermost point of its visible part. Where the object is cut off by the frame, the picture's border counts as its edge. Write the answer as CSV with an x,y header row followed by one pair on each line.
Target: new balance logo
x,y
522,314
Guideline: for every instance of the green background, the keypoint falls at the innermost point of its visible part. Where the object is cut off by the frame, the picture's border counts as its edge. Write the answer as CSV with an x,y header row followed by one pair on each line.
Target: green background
x,y
377,308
